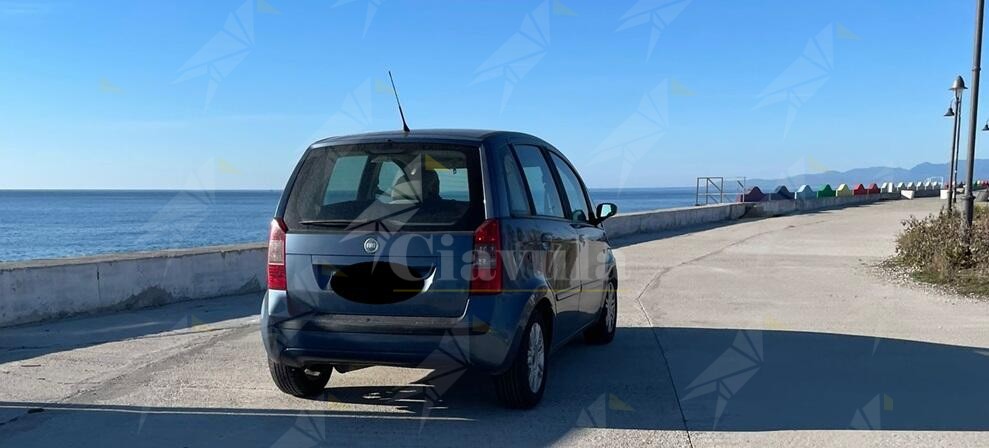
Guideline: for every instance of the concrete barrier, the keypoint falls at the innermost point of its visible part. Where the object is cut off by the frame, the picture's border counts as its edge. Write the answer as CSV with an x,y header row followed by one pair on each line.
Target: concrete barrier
x,y
46,289
778,208
662,220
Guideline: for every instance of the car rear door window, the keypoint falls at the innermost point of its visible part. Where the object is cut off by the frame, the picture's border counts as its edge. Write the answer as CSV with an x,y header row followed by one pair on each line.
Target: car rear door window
x,y
542,188
518,199
579,208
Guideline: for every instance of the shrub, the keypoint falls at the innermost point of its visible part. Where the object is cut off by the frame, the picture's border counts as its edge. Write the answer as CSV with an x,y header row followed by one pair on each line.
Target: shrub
x,y
934,249
931,242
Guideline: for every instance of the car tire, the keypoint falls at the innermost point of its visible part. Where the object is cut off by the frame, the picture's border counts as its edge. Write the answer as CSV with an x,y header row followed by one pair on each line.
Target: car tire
x,y
523,384
603,331
295,381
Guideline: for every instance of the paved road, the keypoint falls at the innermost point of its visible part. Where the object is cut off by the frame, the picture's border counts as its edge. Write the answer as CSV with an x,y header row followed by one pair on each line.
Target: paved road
x,y
766,332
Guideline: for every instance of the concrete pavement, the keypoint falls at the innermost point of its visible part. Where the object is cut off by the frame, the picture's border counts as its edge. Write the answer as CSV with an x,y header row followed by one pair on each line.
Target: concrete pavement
x,y
763,332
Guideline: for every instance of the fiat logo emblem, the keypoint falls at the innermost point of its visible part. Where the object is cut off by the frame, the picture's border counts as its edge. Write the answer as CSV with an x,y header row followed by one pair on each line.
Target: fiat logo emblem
x,y
371,245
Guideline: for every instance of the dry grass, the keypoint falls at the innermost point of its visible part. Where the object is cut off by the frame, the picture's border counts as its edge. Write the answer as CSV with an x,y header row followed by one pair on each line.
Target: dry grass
x,y
932,250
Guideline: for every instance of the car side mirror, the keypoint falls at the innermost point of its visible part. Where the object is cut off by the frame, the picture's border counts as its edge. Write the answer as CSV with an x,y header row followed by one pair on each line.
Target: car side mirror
x,y
604,211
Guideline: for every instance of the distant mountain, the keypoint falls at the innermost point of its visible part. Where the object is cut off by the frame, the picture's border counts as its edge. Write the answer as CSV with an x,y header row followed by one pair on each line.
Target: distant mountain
x,y
878,174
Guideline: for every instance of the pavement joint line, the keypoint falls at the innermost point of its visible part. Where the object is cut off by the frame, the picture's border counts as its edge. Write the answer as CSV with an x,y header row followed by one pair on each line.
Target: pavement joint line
x,y
662,352
658,276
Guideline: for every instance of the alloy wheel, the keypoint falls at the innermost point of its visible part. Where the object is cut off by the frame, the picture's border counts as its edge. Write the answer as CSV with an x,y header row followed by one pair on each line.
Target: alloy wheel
x,y
536,357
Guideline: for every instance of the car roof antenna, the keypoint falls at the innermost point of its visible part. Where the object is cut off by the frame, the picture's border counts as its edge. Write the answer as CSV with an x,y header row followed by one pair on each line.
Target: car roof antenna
x,y
405,126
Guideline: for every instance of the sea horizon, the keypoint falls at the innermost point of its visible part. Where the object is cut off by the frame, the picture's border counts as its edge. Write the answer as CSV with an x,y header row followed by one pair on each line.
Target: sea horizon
x,y
41,224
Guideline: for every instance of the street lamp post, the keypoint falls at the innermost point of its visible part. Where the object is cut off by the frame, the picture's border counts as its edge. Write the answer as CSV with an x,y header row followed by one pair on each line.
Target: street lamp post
x,y
951,151
973,121
958,87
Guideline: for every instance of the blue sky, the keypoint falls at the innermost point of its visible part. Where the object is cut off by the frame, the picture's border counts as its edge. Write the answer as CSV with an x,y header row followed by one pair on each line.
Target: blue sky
x,y
227,93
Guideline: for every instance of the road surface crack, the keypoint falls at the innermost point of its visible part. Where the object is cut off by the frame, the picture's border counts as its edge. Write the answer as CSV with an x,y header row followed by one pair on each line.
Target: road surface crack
x,y
154,364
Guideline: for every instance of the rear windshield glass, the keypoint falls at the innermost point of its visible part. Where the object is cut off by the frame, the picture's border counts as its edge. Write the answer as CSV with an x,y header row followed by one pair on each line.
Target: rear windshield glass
x,y
386,187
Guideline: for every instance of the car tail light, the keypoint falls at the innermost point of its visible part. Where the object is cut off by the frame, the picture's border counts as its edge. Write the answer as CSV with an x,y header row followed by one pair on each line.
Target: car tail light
x,y
485,274
276,255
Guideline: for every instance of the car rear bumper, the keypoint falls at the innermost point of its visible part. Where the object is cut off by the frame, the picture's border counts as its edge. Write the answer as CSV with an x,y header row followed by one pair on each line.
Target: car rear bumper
x,y
480,339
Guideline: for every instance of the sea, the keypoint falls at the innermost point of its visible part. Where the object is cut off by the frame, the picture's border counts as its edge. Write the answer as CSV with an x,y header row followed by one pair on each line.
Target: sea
x,y
44,224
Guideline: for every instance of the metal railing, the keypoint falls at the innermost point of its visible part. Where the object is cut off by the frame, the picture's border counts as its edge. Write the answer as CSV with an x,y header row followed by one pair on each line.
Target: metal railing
x,y
715,190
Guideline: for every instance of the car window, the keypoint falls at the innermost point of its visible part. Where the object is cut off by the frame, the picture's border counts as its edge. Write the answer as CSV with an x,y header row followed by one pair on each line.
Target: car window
x,y
388,174
542,188
390,185
344,179
453,182
579,209
518,201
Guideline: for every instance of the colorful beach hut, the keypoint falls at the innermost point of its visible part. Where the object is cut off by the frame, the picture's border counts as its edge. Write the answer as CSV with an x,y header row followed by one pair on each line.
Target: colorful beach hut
x,y
843,191
873,189
860,190
805,192
825,192
780,193
753,194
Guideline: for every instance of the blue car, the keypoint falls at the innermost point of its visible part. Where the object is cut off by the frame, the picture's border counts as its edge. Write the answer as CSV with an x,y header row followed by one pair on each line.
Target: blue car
x,y
433,248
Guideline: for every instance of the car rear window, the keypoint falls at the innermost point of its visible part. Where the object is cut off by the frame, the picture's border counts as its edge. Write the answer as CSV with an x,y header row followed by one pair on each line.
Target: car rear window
x,y
386,187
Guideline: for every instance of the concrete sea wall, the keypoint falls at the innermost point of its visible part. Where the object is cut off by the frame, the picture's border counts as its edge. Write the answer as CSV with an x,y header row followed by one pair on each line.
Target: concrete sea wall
x,y
660,220
777,208
47,289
